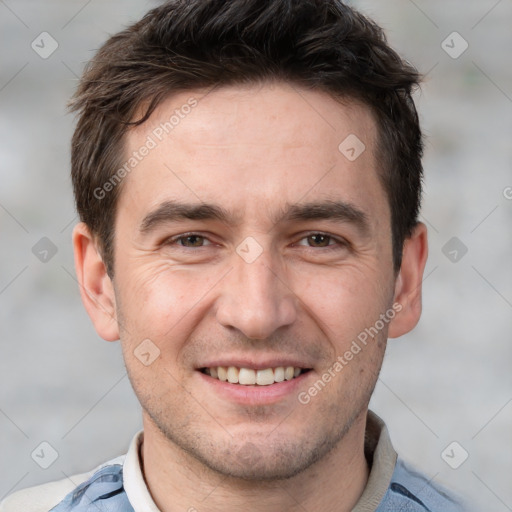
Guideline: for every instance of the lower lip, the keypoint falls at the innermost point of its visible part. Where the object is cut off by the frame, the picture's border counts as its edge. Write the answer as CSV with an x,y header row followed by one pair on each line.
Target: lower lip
x,y
255,395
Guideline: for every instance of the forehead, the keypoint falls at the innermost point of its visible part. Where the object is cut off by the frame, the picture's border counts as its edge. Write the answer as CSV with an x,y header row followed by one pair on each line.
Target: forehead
x,y
253,149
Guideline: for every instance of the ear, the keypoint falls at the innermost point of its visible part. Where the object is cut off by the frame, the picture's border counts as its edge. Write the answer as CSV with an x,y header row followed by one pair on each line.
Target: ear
x,y
96,288
409,281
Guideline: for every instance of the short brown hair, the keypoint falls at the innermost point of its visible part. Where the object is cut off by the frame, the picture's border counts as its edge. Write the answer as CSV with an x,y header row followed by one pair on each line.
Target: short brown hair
x,y
189,44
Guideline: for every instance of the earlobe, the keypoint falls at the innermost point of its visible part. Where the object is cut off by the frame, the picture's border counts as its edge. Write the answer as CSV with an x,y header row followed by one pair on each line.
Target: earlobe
x,y
408,284
96,288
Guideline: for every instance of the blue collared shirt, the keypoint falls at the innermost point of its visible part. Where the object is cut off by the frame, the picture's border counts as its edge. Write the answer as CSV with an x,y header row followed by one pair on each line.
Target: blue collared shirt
x,y
105,492
119,485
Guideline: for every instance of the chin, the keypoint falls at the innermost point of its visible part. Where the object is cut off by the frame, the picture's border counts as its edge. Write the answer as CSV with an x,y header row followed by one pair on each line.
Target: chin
x,y
250,463
260,459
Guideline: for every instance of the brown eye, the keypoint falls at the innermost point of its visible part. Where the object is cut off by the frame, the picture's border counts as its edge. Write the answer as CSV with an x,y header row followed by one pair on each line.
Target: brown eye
x,y
191,241
319,240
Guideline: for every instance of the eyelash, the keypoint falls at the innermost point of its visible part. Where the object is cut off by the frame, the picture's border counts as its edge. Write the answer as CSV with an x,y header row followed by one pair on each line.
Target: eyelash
x,y
339,242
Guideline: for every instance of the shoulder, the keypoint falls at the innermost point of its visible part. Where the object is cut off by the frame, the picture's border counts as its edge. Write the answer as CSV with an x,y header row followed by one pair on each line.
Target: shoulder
x,y
43,498
412,491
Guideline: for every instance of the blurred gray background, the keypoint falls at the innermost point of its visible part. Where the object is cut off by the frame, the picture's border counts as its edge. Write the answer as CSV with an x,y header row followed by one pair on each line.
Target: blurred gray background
x,y
449,381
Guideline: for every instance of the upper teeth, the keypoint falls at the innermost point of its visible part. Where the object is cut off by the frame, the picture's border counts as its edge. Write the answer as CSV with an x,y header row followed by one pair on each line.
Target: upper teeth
x,y
248,376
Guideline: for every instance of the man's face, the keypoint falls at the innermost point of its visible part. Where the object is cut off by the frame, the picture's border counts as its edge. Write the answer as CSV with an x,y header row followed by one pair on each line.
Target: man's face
x,y
247,239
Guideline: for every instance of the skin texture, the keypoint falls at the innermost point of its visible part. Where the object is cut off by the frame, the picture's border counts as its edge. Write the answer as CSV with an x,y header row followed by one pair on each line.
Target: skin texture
x,y
254,151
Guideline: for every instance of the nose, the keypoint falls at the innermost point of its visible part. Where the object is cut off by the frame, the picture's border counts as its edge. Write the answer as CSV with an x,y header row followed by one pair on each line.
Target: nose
x,y
255,298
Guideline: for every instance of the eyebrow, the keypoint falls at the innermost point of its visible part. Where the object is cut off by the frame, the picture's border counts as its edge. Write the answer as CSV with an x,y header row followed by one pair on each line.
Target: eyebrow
x,y
173,211
328,210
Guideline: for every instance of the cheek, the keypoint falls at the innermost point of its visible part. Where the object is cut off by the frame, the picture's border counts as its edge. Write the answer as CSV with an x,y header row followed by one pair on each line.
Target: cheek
x,y
344,301
160,302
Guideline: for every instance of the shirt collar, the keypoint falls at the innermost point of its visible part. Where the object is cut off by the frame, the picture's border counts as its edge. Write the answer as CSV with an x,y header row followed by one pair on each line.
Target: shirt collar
x,y
381,457
134,483
379,452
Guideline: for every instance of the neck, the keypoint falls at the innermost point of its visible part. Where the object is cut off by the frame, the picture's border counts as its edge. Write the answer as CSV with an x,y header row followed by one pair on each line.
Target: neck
x,y
178,481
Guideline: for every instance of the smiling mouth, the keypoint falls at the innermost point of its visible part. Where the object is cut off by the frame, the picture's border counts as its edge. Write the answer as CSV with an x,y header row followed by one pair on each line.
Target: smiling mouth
x,y
250,377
